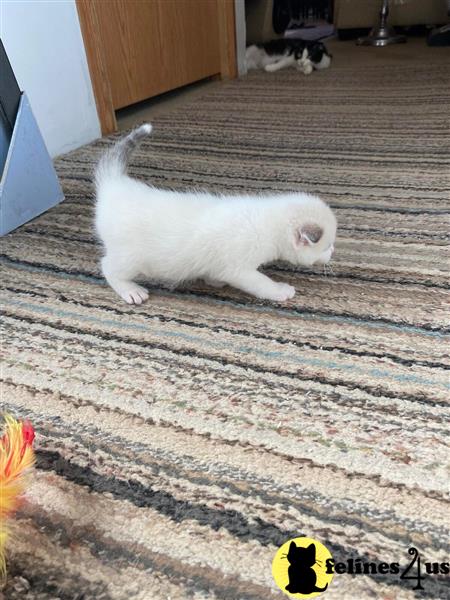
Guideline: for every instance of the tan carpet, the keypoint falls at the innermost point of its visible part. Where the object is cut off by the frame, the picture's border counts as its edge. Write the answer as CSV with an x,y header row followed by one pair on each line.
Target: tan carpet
x,y
181,442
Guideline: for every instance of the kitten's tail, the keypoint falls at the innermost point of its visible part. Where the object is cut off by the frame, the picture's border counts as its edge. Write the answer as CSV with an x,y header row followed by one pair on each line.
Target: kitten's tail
x,y
114,161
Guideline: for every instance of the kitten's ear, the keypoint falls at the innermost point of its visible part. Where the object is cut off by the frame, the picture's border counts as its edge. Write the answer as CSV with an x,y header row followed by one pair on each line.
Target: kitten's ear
x,y
293,546
308,234
312,550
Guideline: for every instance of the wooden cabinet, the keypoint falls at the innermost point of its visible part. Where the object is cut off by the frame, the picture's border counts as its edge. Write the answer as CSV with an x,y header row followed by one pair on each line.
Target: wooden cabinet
x,y
137,49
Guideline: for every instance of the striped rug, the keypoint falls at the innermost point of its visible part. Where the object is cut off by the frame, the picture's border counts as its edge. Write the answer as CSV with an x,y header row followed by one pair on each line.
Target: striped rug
x,y
181,442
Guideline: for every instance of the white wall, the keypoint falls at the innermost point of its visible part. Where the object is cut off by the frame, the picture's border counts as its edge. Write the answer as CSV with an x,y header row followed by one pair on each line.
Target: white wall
x,y
44,45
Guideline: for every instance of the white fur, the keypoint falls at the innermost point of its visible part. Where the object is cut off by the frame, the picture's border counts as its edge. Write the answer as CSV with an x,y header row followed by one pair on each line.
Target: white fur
x,y
279,62
257,58
174,237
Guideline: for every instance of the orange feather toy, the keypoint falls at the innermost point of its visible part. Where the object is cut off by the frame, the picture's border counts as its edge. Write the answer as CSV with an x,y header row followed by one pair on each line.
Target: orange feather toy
x,y
16,459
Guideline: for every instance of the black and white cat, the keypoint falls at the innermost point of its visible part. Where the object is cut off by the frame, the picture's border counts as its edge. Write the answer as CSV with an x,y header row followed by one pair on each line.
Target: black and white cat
x,y
281,53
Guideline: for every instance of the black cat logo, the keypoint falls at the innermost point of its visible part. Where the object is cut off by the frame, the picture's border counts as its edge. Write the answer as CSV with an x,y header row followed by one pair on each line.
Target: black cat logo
x,y
302,577
299,568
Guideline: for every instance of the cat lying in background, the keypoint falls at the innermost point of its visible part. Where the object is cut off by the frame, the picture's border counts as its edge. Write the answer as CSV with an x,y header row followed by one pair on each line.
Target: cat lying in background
x,y
173,237
279,54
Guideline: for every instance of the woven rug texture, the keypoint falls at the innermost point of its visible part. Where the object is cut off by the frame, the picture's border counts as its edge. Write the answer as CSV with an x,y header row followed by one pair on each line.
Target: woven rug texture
x,y
181,442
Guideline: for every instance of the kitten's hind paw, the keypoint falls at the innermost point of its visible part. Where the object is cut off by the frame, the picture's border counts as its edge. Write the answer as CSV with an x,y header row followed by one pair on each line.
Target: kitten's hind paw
x,y
134,294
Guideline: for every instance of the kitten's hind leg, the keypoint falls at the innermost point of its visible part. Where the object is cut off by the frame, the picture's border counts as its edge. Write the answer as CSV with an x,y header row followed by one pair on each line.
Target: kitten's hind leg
x,y
286,61
119,276
259,285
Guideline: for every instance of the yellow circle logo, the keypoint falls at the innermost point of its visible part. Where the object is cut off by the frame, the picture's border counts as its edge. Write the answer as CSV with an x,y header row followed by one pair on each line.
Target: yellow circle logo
x,y
300,568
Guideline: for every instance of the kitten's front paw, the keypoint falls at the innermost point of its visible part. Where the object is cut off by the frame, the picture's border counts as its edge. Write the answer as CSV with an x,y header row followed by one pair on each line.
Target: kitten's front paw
x,y
134,294
282,293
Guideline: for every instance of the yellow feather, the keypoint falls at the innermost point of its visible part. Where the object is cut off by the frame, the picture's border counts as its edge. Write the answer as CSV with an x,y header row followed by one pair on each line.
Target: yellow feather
x,y
16,459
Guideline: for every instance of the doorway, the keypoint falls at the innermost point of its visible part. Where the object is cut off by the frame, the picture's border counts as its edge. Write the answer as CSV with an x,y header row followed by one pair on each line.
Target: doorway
x,y
140,49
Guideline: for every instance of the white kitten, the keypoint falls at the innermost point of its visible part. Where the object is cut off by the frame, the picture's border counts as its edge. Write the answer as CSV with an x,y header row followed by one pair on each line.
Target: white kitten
x,y
174,237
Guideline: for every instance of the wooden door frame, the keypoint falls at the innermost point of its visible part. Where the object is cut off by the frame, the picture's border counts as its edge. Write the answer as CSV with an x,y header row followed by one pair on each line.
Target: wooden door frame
x,y
90,30
227,38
